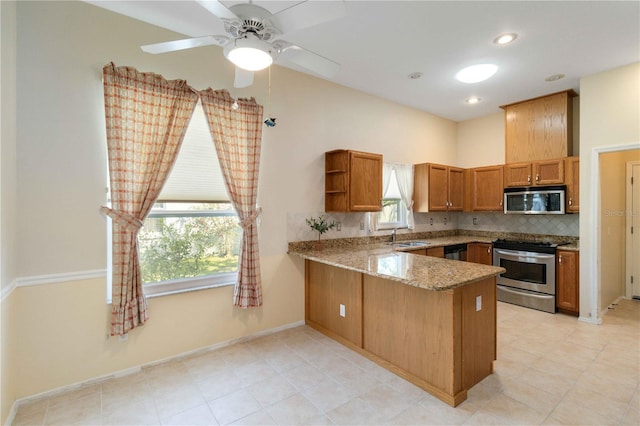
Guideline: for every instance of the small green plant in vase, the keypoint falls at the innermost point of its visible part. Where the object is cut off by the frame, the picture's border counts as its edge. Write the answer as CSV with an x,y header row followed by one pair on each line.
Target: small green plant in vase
x,y
320,224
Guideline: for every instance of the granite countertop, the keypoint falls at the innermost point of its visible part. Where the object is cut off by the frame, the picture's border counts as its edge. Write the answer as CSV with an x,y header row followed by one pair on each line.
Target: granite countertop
x,y
570,247
386,261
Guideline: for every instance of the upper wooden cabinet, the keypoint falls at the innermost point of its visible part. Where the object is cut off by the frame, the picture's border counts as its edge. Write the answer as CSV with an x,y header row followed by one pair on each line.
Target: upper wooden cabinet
x,y
484,189
536,173
539,128
353,181
438,188
572,179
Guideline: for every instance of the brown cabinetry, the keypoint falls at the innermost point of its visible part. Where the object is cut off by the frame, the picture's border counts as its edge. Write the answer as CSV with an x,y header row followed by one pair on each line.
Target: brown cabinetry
x,y
568,282
353,181
540,128
536,173
438,340
484,189
438,188
572,175
435,252
480,253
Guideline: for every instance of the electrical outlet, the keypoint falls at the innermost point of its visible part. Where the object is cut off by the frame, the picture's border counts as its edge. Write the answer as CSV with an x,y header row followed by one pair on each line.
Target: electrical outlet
x,y
343,311
445,220
478,303
475,220
338,226
431,221
362,225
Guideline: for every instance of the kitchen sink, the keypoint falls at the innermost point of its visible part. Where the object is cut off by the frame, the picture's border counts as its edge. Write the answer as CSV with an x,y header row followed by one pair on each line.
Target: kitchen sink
x,y
412,244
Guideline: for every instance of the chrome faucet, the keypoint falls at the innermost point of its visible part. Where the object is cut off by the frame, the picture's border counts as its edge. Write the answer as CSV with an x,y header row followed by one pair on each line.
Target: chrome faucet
x,y
393,235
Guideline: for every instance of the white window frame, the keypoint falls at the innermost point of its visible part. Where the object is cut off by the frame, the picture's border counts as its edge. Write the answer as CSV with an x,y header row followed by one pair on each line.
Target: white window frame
x,y
394,191
182,285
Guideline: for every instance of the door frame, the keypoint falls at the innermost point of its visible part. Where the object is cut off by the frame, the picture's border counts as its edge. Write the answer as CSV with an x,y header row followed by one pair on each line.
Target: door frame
x,y
592,255
628,223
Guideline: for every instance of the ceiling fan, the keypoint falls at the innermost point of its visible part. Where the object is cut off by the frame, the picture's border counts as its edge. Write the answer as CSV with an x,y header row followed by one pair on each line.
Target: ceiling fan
x,y
253,37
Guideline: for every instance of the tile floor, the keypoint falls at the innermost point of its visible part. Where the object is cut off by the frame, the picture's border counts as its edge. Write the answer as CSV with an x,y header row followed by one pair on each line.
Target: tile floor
x,y
551,369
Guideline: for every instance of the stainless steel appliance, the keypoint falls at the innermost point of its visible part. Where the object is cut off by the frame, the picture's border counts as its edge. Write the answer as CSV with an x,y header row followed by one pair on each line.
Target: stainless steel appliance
x,y
456,252
543,200
530,279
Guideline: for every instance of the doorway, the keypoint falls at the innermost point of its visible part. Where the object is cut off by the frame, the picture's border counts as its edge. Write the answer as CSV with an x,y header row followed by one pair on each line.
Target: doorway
x,y
633,230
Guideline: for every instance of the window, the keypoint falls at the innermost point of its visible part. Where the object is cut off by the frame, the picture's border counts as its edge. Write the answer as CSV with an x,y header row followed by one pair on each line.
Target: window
x,y
394,212
191,238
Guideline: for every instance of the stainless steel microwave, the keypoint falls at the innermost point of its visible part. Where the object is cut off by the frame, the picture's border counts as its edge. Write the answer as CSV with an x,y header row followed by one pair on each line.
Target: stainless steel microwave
x,y
542,200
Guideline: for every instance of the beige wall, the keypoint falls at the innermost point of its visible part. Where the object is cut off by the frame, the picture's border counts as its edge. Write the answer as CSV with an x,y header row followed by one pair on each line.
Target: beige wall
x,y
613,224
609,120
481,141
61,170
7,199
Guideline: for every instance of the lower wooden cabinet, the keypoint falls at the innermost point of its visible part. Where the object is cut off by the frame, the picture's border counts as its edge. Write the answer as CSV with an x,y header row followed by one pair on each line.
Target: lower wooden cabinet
x,y
568,282
480,253
438,340
435,251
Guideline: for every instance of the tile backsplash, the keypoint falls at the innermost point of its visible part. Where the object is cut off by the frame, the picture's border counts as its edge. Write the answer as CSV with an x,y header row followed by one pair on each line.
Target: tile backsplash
x,y
351,224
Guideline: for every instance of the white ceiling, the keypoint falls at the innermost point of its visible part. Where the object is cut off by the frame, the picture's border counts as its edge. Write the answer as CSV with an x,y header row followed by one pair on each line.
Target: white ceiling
x,y
379,43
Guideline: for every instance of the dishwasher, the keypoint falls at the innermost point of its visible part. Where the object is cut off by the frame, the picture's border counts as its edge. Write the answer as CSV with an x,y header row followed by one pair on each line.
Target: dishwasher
x,y
456,252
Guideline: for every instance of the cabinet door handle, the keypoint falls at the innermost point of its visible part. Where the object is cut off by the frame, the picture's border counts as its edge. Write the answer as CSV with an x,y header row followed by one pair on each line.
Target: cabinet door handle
x,y
537,178
529,179
570,202
500,203
559,259
489,250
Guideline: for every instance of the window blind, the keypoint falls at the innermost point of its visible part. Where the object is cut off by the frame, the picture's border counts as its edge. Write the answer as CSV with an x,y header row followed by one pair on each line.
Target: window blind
x,y
196,175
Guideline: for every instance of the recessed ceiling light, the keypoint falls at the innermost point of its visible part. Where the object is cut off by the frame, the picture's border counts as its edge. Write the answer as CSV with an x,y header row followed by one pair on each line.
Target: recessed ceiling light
x,y
415,75
554,77
473,100
476,73
505,38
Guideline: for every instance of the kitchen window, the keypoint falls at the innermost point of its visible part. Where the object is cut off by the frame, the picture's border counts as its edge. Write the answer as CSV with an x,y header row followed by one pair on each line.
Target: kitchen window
x,y
191,238
393,213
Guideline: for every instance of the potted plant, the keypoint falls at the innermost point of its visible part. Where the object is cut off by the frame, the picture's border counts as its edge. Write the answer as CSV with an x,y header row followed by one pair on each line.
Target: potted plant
x,y
320,224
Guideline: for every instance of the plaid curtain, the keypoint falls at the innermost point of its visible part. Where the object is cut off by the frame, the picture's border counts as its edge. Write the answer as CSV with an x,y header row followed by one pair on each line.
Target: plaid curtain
x,y
237,135
146,118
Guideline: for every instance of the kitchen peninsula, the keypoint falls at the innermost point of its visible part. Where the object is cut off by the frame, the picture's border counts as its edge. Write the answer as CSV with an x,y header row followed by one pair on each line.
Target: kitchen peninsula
x,y
429,320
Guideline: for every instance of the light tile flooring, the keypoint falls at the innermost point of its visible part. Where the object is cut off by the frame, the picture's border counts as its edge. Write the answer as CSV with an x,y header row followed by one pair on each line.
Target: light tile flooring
x,y
551,369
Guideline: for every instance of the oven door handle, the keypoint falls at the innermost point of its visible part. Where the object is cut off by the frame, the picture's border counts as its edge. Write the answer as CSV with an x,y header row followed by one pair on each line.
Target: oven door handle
x,y
537,296
515,254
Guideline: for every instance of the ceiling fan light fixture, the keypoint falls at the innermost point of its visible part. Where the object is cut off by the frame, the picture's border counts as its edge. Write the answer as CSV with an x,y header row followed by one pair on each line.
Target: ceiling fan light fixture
x,y
249,53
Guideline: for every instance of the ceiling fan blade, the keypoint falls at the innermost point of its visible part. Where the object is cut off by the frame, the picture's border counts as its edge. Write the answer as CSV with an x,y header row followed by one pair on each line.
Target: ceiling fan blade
x,y
170,46
307,59
308,14
218,9
243,78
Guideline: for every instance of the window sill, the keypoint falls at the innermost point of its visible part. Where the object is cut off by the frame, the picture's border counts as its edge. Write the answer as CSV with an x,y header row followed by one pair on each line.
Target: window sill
x,y
186,285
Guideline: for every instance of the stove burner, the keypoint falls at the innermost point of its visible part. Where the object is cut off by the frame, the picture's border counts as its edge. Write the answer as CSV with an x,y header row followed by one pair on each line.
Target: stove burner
x,y
531,246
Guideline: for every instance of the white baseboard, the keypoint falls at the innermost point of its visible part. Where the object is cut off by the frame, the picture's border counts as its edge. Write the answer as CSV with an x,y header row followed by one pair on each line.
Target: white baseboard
x,y
136,369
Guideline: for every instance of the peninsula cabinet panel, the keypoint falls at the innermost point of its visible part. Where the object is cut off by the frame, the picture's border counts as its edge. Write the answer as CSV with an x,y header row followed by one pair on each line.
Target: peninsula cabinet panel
x,y
479,315
435,252
353,181
328,287
414,330
437,339
486,188
540,128
572,174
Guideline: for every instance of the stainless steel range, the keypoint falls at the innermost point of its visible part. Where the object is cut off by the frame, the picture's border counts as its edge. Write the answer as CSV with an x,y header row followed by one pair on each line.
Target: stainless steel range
x,y
530,279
